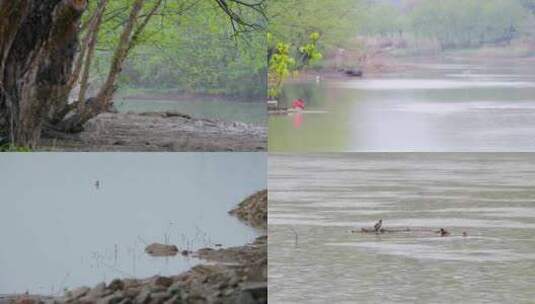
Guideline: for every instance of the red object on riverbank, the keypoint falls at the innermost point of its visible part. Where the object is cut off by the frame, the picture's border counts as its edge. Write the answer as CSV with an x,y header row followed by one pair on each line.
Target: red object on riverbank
x,y
298,104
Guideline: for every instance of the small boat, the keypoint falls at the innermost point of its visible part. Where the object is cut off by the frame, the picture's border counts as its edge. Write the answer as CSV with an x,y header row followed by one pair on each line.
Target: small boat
x,y
353,73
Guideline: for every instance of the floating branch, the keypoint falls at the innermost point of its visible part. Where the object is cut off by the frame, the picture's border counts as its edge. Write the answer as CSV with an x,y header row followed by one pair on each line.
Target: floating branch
x,y
440,231
382,230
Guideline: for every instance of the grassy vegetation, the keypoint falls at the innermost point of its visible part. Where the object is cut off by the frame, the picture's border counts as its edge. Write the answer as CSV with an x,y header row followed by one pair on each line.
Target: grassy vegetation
x,y
12,148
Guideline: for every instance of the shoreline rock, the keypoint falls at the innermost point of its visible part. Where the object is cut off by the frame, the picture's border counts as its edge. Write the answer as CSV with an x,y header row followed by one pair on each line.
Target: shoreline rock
x,y
253,210
161,250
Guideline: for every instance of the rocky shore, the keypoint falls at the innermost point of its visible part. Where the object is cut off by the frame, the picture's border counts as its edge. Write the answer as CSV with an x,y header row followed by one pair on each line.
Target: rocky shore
x,y
159,131
233,275
253,210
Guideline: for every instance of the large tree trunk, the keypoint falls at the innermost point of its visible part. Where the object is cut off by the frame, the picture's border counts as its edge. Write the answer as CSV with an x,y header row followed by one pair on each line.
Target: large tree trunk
x,y
38,46
103,100
38,41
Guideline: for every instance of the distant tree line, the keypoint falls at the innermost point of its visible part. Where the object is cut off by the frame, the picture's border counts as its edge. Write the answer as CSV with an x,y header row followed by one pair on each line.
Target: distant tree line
x,y
453,23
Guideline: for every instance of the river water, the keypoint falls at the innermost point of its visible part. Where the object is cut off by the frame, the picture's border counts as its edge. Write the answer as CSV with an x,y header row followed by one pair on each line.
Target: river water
x,y
58,230
316,201
446,104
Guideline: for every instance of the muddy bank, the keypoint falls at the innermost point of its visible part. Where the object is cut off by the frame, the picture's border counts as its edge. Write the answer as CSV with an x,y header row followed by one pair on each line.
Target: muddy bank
x,y
159,131
233,275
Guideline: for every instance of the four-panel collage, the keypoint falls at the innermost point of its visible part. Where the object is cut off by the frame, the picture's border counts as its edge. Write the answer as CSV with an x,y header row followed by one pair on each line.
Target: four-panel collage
x,y
267,151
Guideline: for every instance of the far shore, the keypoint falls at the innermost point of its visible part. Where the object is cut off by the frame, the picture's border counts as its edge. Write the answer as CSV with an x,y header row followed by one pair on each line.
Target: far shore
x,y
393,61
148,94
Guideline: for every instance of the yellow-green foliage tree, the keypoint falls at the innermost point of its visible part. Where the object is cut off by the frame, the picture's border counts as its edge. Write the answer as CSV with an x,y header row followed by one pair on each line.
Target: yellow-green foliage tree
x,y
468,23
282,64
301,31
451,23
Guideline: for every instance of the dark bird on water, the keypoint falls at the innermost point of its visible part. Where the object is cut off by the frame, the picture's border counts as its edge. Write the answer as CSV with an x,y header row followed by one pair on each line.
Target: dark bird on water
x,y
444,232
377,226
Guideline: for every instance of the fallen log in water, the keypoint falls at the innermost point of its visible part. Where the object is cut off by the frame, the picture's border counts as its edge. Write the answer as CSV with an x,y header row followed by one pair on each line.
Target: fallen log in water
x,y
385,230
382,230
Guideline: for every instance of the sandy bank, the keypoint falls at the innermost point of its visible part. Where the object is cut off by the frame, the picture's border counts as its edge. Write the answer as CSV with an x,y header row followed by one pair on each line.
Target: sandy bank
x,y
155,131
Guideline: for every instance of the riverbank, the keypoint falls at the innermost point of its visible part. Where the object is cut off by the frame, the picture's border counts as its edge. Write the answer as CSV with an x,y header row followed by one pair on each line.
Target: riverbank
x,y
388,56
159,131
232,275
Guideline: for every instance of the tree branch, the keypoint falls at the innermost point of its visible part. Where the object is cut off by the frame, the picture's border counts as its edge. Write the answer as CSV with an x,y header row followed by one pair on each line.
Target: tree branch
x,y
141,27
91,24
90,52
237,21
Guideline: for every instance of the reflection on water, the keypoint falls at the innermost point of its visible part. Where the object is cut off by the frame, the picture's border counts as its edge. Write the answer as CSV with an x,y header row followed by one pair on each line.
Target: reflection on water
x,y
57,229
248,112
316,201
428,107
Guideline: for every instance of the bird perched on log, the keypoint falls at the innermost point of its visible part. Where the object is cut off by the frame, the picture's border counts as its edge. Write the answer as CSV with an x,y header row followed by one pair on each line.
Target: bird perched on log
x,y
377,226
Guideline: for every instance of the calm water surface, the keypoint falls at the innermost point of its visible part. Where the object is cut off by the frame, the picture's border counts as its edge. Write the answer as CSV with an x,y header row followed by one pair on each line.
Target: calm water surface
x,y
453,105
316,201
58,230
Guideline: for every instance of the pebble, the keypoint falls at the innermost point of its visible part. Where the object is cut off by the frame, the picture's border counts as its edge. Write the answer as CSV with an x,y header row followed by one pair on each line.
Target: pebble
x,y
144,296
79,292
159,281
97,291
177,299
116,285
174,288
158,297
114,298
